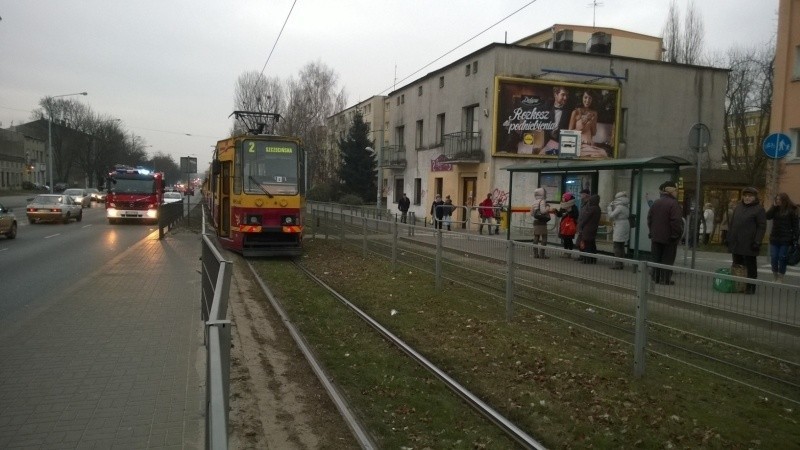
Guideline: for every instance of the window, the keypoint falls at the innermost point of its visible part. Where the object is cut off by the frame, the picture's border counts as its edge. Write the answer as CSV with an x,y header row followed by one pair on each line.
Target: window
x,y
402,98
440,129
369,126
475,67
399,137
418,139
437,187
469,69
419,91
398,101
398,189
367,109
794,135
441,81
470,123
417,191
796,68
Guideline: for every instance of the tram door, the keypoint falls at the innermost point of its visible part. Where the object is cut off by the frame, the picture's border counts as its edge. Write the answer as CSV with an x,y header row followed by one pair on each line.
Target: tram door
x,y
224,204
468,186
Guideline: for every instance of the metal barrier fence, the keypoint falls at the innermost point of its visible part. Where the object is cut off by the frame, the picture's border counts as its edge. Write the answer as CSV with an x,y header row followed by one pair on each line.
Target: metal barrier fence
x,y
215,286
751,339
168,214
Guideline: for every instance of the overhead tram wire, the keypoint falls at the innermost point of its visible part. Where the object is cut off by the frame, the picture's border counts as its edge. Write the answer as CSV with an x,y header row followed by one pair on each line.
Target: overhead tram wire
x,y
460,45
278,38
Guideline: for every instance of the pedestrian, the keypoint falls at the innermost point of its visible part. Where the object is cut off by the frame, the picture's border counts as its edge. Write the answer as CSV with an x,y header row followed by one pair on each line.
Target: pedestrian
x,y
665,224
588,222
746,232
707,225
486,213
785,231
498,215
619,213
448,209
568,225
403,206
540,212
726,219
437,212
584,196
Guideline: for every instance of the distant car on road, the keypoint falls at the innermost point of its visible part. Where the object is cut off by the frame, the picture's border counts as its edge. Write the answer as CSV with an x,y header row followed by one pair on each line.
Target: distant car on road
x,y
59,187
53,208
172,197
81,197
97,196
8,223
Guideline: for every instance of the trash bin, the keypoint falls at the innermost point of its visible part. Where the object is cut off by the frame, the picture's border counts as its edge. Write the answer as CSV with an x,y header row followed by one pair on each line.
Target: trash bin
x,y
504,220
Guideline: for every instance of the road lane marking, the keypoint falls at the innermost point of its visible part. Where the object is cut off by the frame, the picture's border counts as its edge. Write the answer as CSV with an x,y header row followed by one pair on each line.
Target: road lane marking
x,y
52,235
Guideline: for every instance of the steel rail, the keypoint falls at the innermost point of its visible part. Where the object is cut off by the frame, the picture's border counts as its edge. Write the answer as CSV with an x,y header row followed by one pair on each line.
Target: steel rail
x,y
476,403
361,435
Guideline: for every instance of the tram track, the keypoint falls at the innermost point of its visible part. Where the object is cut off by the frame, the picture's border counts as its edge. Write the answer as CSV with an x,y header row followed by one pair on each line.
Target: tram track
x,y
359,432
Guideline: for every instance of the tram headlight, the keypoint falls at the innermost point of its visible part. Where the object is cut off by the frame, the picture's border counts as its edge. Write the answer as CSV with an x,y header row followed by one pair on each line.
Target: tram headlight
x,y
253,219
288,220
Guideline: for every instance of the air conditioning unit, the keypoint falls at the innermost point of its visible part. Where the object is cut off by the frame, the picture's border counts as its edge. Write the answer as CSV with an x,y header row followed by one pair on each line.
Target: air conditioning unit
x,y
599,43
563,40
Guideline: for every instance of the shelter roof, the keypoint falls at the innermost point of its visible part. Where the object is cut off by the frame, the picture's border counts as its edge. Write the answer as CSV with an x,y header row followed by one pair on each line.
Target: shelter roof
x,y
574,165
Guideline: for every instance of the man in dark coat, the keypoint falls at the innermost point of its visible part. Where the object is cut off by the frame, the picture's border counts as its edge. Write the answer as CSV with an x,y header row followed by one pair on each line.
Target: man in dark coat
x,y
746,232
665,222
403,204
437,212
588,222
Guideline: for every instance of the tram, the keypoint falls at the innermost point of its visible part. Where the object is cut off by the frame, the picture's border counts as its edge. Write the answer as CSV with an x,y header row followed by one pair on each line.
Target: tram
x,y
254,190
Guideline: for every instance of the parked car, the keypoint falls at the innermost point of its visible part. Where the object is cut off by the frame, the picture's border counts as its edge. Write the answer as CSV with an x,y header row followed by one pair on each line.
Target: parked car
x,y
8,223
81,197
53,208
97,196
59,187
172,197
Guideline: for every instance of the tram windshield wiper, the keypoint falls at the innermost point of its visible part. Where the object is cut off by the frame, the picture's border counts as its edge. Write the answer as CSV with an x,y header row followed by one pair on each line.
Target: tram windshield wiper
x,y
260,186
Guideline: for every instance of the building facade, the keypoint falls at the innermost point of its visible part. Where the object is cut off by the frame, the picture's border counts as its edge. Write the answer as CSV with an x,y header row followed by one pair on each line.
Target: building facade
x,y
459,126
785,116
22,159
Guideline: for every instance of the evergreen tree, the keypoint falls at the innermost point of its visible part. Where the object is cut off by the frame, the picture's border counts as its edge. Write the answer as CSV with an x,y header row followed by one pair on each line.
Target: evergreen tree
x,y
358,169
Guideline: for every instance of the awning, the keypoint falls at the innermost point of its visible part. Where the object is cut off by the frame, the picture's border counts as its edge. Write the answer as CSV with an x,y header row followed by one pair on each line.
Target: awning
x,y
574,165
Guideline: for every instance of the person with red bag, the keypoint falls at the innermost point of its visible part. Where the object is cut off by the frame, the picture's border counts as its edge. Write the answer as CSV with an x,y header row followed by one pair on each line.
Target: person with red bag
x,y
486,213
568,213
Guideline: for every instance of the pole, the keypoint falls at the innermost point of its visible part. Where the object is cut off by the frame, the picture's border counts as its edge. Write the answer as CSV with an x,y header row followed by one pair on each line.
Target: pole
x,y
379,150
50,149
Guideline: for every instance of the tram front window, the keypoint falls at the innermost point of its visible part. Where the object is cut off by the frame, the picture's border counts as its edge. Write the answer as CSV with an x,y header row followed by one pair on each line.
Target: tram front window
x,y
270,167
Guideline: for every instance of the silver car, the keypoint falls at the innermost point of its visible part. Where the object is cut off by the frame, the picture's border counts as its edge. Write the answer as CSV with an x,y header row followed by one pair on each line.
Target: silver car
x,y
8,223
53,208
81,196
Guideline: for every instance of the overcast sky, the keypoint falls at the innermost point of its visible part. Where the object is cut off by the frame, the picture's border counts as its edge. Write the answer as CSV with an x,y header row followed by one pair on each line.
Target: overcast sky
x,y
167,68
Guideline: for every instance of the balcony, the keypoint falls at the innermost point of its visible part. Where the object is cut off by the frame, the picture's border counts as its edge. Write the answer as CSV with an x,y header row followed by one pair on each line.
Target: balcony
x,y
393,157
463,147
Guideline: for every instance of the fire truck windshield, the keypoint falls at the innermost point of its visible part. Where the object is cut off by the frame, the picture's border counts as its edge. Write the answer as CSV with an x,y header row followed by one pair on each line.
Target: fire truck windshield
x,y
133,186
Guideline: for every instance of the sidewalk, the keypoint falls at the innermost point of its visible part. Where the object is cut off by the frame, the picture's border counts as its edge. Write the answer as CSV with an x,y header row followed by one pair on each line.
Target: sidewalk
x,y
117,361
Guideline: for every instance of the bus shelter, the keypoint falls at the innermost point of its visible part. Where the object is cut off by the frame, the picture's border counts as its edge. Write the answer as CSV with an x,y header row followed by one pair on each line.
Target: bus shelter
x,y
646,174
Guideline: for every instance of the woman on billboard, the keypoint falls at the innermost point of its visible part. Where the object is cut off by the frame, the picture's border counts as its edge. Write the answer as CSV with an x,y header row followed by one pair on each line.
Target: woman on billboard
x,y
584,119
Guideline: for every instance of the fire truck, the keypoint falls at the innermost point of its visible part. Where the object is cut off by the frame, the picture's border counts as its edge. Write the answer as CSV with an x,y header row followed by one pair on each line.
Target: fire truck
x,y
133,194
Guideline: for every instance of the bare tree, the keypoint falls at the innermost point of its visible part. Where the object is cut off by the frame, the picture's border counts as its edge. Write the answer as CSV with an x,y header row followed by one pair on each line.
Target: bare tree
x,y
748,102
693,34
683,44
673,45
256,92
312,98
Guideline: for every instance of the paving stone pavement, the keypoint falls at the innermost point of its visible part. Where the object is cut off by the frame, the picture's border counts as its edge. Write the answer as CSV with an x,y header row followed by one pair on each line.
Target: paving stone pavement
x,y
116,362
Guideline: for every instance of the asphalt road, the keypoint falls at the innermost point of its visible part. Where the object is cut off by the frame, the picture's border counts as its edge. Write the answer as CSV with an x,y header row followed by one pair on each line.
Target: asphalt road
x,y
46,258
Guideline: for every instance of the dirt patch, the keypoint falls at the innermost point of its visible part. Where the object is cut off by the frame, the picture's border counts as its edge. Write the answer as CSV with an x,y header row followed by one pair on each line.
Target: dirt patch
x,y
276,400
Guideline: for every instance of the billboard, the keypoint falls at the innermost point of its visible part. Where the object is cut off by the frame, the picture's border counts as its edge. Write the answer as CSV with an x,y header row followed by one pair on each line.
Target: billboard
x,y
530,115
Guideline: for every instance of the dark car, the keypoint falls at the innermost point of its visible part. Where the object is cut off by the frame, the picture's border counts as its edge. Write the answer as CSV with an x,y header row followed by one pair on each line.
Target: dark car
x,y
8,223
59,187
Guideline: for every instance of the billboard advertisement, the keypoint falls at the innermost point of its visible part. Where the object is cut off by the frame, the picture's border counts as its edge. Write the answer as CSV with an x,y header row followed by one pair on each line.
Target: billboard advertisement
x,y
530,115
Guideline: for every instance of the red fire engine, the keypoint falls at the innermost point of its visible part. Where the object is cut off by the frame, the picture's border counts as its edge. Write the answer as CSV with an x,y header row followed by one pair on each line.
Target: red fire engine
x,y
134,193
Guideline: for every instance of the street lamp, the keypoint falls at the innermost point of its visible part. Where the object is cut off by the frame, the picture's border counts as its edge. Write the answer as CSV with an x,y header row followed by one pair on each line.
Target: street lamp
x,y
50,136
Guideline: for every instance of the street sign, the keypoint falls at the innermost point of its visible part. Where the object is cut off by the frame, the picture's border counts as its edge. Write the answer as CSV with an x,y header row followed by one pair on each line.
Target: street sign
x,y
777,145
699,137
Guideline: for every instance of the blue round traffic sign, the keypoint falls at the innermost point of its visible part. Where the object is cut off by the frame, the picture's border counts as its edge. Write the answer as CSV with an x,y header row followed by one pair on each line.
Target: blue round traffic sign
x,y
777,145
